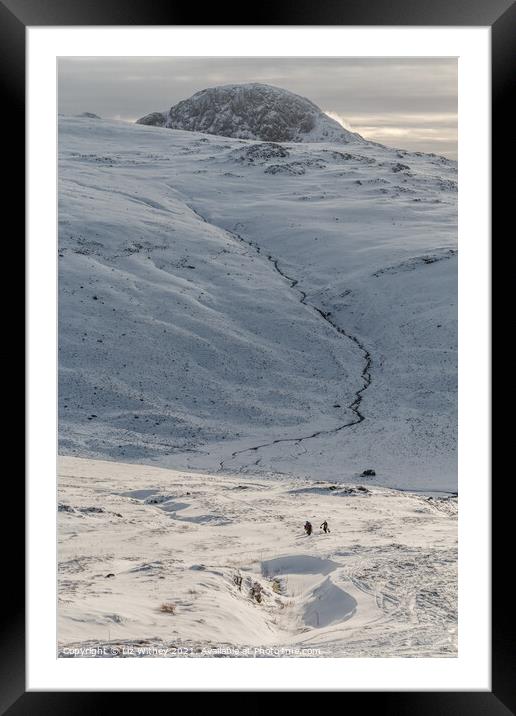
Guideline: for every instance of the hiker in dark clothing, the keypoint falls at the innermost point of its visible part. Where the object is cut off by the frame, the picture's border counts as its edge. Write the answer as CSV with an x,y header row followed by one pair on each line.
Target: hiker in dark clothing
x,y
308,528
325,527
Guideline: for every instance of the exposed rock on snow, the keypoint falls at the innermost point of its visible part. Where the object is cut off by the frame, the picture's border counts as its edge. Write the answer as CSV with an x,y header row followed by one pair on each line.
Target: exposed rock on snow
x,y
289,168
154,119
253,111
260,153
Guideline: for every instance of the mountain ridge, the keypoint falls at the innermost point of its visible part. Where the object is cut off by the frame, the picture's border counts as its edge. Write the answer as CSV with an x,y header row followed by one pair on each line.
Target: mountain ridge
x,y
252,111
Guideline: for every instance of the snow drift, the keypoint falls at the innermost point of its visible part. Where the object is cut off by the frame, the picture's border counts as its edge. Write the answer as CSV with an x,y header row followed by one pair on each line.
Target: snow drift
x,y
138,579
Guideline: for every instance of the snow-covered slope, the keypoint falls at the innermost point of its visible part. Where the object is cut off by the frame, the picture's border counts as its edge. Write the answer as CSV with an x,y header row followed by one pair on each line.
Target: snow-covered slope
x,y
252,111
248,306
150,561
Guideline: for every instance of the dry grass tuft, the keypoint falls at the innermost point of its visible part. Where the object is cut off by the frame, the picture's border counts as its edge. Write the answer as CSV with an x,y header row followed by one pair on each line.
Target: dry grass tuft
x,y
167,608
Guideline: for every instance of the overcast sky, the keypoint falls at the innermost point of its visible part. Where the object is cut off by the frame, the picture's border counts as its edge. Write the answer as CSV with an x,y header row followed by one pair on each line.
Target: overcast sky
x,y
406,103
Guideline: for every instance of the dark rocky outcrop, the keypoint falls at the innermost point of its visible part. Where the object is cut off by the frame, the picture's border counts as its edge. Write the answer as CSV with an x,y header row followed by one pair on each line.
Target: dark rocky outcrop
x,y
252,111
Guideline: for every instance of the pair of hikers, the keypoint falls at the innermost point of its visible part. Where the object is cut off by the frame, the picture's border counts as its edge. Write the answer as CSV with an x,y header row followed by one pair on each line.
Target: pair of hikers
x,y
309,528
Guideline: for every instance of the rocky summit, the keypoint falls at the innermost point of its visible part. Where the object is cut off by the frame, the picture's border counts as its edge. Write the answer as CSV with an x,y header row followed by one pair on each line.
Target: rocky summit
x,y
252,111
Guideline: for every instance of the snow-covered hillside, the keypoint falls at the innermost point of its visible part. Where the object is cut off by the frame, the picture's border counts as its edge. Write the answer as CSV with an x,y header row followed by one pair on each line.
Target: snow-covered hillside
x,y
242,306
150,563
252,111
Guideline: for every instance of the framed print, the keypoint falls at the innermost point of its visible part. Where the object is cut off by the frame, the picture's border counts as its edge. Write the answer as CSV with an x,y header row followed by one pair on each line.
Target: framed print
x,y
258,358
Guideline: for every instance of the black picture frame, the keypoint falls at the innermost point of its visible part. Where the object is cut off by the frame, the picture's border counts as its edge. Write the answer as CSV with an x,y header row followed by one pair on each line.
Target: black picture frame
x,y
500,15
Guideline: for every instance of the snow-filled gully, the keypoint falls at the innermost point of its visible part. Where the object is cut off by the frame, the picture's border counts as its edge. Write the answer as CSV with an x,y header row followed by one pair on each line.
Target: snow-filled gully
x,y
354,407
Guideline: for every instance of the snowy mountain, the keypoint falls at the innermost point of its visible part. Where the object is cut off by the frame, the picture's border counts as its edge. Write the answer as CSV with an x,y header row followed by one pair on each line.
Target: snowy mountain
x,y
249,307
268,331
252,111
